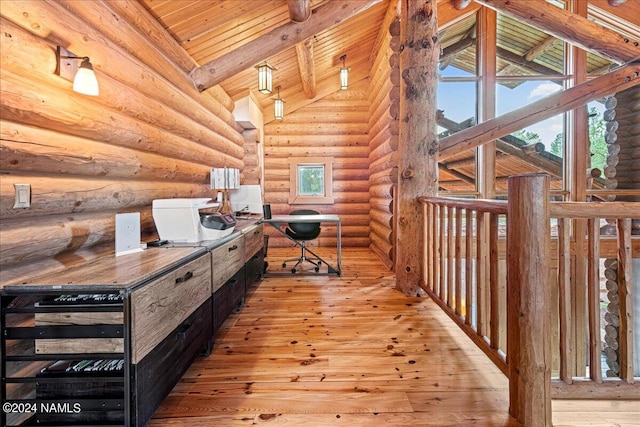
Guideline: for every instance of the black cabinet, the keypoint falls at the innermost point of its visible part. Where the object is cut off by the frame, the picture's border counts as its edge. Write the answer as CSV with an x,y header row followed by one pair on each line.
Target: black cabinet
x,y
64,360
162,368
227,298
254,269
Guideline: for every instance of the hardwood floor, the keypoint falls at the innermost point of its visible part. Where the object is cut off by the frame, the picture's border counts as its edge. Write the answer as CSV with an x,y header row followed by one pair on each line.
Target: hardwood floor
x,y
339,351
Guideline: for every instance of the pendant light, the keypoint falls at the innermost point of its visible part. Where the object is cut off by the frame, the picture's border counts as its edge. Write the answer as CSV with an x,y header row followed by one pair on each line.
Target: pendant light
x,y
278,106
344,74
265,77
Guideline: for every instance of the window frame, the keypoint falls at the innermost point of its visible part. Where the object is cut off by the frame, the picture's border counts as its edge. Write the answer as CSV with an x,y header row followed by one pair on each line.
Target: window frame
x,y
295,198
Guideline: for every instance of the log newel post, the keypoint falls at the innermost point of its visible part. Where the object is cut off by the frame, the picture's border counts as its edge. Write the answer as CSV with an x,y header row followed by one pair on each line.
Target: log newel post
x,y
417,152
529,300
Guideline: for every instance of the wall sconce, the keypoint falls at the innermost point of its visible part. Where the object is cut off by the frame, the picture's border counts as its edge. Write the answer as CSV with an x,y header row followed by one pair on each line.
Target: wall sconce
x,y
278,106
265,77
344,74
83,77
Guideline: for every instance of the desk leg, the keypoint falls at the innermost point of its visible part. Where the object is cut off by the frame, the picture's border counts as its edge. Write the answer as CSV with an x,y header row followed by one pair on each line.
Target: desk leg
x,y
330,269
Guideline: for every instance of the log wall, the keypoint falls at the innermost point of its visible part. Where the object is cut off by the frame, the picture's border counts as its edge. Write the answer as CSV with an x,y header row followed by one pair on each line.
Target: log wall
x,y
335,126
383,143
149,134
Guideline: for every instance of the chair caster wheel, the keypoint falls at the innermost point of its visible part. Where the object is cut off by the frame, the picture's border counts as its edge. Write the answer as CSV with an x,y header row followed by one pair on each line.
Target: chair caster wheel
x,y
293,270
284,265
317,269
319,263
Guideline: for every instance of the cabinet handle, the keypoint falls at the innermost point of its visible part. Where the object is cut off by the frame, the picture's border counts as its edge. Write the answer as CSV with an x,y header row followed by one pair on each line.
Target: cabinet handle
x,y
256,232
182,334
184,278
233,248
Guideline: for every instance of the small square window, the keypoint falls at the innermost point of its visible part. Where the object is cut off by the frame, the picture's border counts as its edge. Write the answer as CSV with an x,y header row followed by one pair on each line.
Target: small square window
x,y
310,180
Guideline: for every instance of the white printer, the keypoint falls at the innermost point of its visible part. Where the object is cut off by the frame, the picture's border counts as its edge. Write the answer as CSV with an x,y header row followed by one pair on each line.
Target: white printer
x,y
180,220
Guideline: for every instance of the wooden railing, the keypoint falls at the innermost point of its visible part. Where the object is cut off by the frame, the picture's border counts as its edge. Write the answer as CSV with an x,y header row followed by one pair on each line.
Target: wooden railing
x,y
513,283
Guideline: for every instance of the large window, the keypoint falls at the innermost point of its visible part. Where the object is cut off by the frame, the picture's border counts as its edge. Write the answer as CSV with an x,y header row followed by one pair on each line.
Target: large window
x,y
310,180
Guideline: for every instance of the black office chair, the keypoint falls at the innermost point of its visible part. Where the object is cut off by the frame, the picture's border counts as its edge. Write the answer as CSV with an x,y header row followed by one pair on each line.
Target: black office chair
x,y
302,232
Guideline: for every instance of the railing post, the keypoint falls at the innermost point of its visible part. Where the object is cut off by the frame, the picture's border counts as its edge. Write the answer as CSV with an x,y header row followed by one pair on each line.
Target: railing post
x,y
529,300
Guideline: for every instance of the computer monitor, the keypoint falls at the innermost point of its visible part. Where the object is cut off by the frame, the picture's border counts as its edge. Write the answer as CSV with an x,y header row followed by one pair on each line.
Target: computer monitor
x,y
247,198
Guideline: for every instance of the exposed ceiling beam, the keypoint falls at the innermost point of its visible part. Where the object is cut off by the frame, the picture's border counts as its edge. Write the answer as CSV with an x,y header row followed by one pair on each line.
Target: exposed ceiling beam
x,y
457,47
288,35
456,174
540,48
570,27
451,52
559,102
516,59
299,10
304,52
509,146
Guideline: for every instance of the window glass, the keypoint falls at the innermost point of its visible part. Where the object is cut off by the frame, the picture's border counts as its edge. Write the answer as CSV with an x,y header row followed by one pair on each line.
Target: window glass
x,y
311,180
539,147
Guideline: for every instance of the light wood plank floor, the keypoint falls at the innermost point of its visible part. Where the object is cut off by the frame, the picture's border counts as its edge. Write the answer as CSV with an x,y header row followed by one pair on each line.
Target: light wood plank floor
x,y
351,351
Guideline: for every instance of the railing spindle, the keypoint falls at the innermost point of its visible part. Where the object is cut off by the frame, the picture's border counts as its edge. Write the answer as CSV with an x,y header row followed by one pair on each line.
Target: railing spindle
x,y
442,252
428,220
436,249
625,284
468,267
458,244
450,252
593,299
481,268
564,303
494,283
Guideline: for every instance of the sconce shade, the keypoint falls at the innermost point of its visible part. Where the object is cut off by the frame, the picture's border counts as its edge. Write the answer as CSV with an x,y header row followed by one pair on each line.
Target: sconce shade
x,y
85,81
278,107
265,78
83,77
344,74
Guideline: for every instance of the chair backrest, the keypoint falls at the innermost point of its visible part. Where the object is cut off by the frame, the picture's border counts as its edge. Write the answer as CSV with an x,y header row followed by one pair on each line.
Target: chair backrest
x,y
304,227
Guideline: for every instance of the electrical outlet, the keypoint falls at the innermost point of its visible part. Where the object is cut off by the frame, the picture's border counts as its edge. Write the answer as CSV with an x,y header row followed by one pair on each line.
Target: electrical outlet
x,y
23,196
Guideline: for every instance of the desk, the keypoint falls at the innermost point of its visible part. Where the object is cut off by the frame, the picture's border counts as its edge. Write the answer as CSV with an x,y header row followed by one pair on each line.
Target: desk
x,y
277,221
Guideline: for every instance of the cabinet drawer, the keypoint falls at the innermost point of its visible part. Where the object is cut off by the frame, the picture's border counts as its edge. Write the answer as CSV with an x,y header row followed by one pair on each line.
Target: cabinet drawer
x,y
253,241
159,307
79,344
226,260
162,368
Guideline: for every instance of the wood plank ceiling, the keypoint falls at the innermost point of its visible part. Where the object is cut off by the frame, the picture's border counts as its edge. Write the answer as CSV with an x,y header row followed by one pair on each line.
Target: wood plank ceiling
x,y
208,29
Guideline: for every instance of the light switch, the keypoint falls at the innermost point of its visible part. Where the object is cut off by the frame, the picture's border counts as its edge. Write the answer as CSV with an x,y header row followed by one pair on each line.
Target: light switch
x,y
23,196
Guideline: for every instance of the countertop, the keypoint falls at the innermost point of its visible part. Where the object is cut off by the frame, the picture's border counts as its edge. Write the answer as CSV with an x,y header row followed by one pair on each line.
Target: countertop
x,y
123,273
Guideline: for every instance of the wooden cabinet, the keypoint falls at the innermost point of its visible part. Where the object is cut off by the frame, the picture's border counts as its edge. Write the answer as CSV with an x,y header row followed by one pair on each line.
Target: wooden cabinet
x,y
164,365
127,328
144,318
234,271
253,241
226,260
162,305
